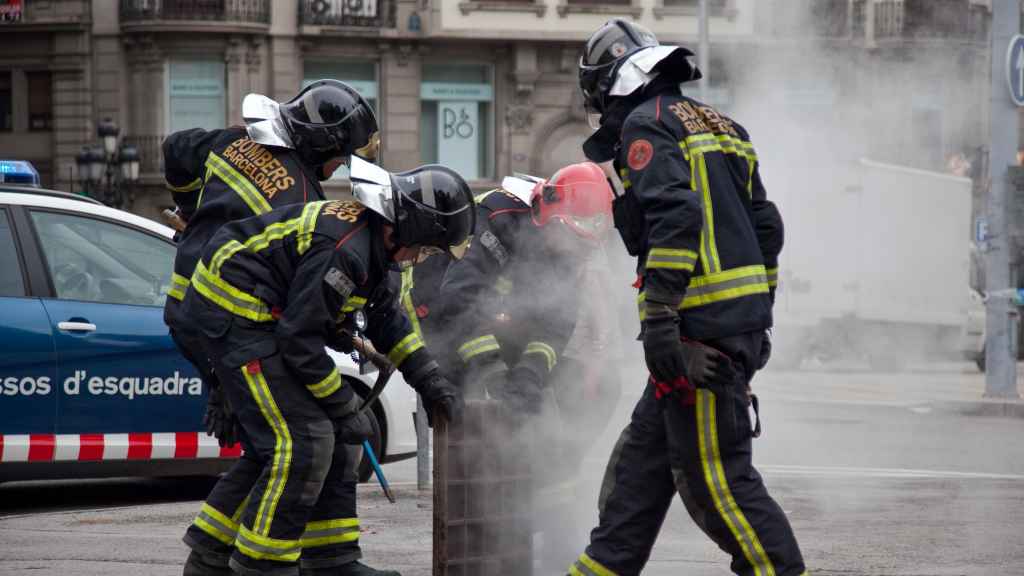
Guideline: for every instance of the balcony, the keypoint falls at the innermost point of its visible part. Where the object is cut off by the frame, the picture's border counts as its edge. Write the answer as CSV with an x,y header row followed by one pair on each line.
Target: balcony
x,y
813,18
189,15
348,13
51,16
945,20
151,156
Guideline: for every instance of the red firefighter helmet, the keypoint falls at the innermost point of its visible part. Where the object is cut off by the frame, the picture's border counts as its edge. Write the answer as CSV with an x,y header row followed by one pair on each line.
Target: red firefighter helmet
x,y
579,196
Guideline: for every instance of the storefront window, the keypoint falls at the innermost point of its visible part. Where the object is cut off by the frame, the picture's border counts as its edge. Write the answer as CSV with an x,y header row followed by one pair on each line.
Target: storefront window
x,y
196,91
360,75
456,125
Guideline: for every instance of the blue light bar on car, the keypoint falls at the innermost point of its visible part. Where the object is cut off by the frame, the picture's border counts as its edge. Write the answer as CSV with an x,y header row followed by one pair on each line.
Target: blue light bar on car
x,y
18,172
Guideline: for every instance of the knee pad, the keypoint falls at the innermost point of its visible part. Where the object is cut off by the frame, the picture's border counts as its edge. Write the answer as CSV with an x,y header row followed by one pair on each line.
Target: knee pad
x,y
320,436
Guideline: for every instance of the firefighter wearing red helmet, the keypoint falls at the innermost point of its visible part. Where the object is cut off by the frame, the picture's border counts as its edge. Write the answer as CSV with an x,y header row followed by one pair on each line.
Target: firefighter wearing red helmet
x,y
695,214
510,306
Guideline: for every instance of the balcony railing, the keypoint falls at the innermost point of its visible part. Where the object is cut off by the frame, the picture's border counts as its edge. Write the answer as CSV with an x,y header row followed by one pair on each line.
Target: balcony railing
x,y
151,156
938,19
244,11
358,13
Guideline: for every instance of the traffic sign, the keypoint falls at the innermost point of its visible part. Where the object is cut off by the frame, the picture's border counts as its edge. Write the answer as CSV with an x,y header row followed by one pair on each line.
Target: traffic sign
x,y
1015,69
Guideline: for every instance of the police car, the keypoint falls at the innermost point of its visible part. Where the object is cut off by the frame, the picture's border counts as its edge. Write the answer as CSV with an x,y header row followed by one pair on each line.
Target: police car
x,y
90,382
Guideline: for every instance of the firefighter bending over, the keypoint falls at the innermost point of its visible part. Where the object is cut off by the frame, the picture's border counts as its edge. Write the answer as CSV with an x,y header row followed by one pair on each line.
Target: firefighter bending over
x,y
219,176
695,214
268,295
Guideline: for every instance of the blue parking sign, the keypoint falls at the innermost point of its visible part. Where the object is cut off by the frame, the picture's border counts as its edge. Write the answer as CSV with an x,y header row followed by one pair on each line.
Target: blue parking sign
x,y
1015,69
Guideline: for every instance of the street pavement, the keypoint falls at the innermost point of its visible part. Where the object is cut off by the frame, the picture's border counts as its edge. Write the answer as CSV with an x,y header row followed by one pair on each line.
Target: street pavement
x,y
909,474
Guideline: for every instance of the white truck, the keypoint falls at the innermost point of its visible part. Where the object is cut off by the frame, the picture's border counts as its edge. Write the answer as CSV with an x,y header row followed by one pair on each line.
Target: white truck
x,y
875,266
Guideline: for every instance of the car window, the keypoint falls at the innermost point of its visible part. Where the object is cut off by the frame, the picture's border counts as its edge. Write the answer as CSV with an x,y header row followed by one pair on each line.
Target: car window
x,y
11,281
98,261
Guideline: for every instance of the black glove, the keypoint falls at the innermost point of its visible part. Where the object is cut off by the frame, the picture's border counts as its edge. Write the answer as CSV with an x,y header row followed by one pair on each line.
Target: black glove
x,y
663,349
219,420
440,394
521,392
706,367
766,350
353,429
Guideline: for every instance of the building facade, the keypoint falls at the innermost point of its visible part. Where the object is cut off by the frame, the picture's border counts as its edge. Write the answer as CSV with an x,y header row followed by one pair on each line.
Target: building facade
x,y
485,86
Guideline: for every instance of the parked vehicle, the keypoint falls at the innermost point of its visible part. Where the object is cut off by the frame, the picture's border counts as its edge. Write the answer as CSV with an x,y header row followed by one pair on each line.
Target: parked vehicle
x,y
90,381
877,269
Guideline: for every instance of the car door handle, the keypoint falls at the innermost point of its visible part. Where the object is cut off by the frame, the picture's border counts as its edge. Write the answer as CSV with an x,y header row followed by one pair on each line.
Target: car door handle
x,y
77,326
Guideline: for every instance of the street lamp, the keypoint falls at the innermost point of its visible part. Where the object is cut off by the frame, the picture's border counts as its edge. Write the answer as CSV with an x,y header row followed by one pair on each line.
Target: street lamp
x,y
106,171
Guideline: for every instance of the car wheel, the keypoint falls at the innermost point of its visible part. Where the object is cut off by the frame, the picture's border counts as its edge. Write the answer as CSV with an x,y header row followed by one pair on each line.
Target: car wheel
x,y
376,442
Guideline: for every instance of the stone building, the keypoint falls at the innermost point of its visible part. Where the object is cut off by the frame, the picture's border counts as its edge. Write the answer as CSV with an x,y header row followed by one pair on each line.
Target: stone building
x,y
486,86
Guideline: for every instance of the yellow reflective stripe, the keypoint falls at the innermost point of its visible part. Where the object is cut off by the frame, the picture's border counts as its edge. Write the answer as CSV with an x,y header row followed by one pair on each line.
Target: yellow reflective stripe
x,y
261,547
712,263
179,285
640,299
773,276
671,259
199,200
587,566
237,516
228,297
306,226
327,532
353,303
483,195
239,183
718,486
733,283
302,226
542,348
477,346
213,531
329,385
410,310
404,348
190,187
216,524
282,458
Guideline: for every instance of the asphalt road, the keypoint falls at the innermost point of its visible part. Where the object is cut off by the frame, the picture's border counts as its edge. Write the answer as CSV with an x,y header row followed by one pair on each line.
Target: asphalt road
x,y
876,479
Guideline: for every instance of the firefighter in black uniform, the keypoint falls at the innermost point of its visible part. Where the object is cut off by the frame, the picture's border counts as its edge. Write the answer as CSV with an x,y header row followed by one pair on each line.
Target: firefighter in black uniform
x,y
695,214
270,292
218,176
512,302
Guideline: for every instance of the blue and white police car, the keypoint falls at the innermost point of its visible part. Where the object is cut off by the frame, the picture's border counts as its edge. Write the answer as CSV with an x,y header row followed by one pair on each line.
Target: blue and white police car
x,y
90,382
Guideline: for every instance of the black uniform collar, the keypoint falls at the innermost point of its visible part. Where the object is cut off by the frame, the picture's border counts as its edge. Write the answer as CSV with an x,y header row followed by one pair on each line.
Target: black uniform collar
x,y
603,144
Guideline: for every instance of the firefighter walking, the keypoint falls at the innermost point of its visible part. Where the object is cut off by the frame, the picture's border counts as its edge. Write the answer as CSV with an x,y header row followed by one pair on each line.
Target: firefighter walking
x,y
268,295
694,212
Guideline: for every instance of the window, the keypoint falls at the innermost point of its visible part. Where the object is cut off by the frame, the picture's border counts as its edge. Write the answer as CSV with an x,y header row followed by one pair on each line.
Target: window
x,y
360,75
196,92
11,281
99,261
40,101
457,121
6,106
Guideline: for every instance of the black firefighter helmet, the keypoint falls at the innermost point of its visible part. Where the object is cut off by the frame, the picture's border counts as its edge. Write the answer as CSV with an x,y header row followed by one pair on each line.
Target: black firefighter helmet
x,y
433,208
612,45
329,119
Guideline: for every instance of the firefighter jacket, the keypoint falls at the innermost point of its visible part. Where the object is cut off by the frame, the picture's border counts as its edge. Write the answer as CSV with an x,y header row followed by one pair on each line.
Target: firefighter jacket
x,y
509,298
300,271
219,176
696,215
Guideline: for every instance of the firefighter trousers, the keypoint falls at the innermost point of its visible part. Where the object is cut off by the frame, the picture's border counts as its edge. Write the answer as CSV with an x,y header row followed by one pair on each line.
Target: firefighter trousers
x,y
292,494
699,450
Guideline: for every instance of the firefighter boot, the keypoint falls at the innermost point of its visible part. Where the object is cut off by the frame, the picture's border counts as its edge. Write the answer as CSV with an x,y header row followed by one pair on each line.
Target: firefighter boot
x,y
351,569
199,565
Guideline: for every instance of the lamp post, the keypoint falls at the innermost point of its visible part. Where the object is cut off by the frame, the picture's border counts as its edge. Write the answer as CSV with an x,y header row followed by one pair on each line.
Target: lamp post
x,y
106,171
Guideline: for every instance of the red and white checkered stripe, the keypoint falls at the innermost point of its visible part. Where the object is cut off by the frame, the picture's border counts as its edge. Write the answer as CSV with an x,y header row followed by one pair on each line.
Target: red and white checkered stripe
x,y
94,447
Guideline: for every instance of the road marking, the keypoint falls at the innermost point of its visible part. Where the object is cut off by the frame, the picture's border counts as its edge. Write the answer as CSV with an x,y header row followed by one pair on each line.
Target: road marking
x,y
883,472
